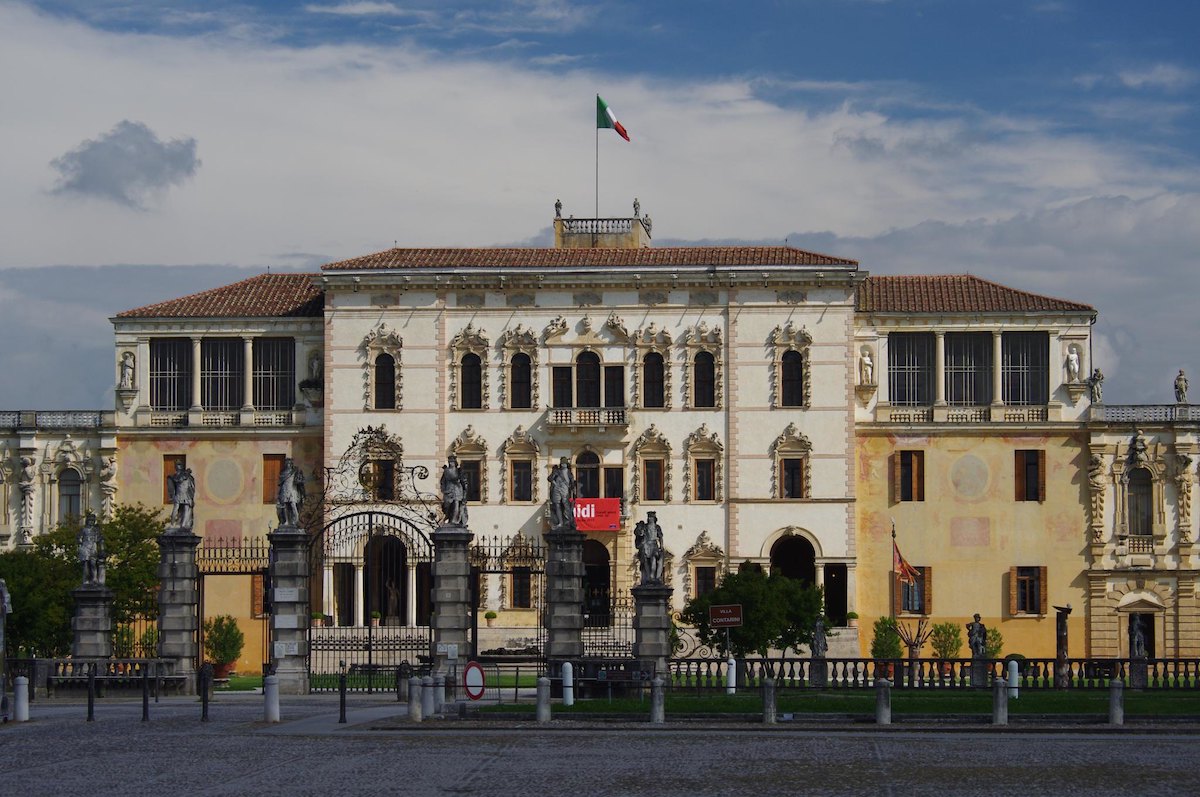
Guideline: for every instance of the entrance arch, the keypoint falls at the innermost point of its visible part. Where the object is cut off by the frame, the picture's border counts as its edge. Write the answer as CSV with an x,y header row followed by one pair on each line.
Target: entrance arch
x,y
597,585
794,556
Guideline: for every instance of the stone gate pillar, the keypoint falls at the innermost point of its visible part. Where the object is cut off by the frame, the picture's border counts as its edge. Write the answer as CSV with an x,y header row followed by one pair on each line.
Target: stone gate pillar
x,y
178,602
451,592
91,627
564,597
652,626
290,610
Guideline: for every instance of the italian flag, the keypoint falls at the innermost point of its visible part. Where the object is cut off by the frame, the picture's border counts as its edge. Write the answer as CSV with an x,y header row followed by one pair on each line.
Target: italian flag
x,y
606,119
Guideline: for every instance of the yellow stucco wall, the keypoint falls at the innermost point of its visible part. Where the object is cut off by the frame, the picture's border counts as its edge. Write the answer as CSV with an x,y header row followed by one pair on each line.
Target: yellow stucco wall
x,y
971,530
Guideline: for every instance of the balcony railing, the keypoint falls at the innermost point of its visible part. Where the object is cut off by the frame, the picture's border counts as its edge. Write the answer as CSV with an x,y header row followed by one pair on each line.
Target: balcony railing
x,y
589,416
1140,543
597,226
56,419
1145,413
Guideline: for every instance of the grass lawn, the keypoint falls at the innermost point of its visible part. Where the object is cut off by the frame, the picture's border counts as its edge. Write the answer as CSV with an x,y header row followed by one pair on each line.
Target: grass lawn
x,y
240,683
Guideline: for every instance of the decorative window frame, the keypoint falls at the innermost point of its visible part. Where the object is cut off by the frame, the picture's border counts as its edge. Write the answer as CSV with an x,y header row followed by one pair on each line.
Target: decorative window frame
x,y
703,553
695,340
469,341
520,445
645,341
66,457
652,444
1154,461
380,340
518,340
470,446
791,444
784,339
703,444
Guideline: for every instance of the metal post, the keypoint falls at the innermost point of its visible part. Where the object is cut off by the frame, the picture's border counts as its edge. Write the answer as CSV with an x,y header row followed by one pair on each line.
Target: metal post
x,y
568,678
1116,702
91,717
730,675
439,693
145,693
999,702
1014,680
271,698
399,683
342,697
768,693
543,700
658,702
21,699
883,701
414,699
427,696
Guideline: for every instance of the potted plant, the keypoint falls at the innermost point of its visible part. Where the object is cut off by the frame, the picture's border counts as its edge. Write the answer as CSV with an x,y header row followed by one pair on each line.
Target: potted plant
x,y
375,616
852,619
318,619
946,641
490,616
223,642
885,645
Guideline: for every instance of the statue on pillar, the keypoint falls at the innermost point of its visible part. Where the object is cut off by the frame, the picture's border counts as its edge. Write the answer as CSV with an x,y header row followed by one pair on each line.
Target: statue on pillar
x,y
977,638
454,493
1137,637
820,643
290,495
1096,386
181,490
91,553
563,491
1181,388
648,538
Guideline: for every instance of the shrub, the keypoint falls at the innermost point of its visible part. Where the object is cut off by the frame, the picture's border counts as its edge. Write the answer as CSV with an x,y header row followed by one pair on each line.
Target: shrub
x,y
995,643
490,615
123,642
885,642
946,640
223,640
149,642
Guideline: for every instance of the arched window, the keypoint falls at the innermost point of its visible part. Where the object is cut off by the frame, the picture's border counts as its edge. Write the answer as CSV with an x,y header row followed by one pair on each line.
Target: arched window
x,y
521,381
472,382
70,494
1141,515
792,378
587,474
385,382
587,380
794,557
653,393
704,372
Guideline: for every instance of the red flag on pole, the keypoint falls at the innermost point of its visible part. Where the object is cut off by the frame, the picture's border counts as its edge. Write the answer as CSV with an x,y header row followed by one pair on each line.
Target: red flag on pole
x,y
907,573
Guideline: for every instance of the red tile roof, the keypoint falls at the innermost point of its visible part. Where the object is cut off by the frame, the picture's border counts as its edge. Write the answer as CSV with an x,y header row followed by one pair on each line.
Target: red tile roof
x,y
953,293
264,296
589,257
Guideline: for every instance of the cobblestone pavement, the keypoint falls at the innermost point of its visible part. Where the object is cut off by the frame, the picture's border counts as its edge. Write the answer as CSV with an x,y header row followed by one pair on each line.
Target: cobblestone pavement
x,y
378,752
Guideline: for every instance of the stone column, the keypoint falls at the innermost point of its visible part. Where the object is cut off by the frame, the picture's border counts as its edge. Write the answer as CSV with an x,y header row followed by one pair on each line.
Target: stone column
x,y
939,368
564,598
197,359
997,370
178,603
359,617
290,609
248,378
451,592
652,626
91,626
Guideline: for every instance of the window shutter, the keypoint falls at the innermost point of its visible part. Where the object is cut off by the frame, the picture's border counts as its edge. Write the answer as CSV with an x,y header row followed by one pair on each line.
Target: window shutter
x,y
927,602
272,467
918,470
896,594
1019,474
1041,455
1043,605
896,470
1012,592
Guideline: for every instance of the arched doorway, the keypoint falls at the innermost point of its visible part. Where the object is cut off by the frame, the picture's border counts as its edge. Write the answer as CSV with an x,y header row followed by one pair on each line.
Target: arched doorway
x,y
795,557
386,562
597,585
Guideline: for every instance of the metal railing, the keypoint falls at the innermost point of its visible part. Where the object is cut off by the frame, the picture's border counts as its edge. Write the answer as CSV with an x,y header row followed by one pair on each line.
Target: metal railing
x,y
589,416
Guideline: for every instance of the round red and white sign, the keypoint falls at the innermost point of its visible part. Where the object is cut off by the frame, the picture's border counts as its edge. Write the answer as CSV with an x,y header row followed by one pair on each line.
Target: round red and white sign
x,y
473,680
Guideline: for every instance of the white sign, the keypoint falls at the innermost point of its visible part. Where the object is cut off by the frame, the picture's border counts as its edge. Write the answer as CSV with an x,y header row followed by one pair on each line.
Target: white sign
x,y
286,620
286,649
474,681
448,649
287,594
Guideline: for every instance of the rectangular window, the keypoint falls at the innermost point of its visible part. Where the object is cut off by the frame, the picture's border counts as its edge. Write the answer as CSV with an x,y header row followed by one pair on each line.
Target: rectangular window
x,y
274,373
614,482
916,598
910,369
561,378
1025,367
522,588
473,470
706,580
1029,475
272,467
170,374
1027,590
791,478
908,476
614,386
221,373
169,462
706,479
521,471
653,380
968,369
653,471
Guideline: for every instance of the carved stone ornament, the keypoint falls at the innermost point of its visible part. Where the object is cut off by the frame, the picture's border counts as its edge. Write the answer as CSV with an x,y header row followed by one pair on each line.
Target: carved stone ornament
x,y
646,340
791,444
1097,479
702,335
617,326
523,446
791,297
514,340
704,444
696,339
704,552
783,339
652,444
469,445
382,339
555,329
1183,484
474,341
791,336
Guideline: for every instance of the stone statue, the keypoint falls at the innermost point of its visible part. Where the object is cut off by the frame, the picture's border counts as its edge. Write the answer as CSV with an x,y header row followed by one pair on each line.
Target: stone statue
x,y
647,223
820,644
290,494
454,493
637,208
1096,386
1181,386
866,368
563,491
314,366
128,361
648,538
181,490
558,208
1138,447
1137,637
108,485
977,638
1096,488
1183,483
1073,364
91,554
26,484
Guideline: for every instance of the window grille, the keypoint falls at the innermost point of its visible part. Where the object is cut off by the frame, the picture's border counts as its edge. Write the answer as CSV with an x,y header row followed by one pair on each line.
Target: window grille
x,y
1025,367
170,374
968,369
221,374
274,373
910,369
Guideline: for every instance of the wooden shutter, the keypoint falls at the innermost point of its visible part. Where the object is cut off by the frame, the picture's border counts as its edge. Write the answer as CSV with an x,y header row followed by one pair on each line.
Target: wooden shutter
x,y
169,461
896,471
272,467
1043,606
1041,455
1019,474
918,472
1012,592
927,594
896,595
257,593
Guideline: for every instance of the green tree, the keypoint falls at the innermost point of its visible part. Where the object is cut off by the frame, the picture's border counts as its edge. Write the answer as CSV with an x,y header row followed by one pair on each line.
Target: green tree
x,y
885,639
777,612
946,640
40,623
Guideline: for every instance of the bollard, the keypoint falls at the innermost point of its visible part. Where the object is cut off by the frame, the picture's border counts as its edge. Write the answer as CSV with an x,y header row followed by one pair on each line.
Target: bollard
x,y
271,698
731,676
145,693
206,675
91,693
342,697
543,700
568,675
999,702
399,684
768,696
658,701
414,699
883,701
1116,702
439,693
427,707
21,699
1014,681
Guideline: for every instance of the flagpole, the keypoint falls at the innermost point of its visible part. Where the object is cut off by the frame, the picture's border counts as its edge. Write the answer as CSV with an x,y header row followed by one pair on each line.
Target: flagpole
x,y
892,580
597,160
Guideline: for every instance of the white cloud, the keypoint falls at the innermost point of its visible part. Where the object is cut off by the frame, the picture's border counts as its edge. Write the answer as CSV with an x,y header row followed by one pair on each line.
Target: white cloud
x,y
1166,77
128,165
366,9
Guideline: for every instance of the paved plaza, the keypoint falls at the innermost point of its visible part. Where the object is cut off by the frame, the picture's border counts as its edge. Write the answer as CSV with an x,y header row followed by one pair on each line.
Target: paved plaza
x,y
379,752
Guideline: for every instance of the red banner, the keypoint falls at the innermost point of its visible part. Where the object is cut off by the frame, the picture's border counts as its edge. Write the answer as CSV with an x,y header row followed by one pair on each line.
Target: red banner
x,y
598,514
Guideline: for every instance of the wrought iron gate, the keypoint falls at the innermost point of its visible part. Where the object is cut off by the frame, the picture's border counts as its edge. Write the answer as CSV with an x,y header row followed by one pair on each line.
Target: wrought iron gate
x,y
244,560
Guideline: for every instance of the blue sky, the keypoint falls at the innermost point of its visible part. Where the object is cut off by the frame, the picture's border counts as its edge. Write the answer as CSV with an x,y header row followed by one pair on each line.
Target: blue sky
x,y
1048,145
